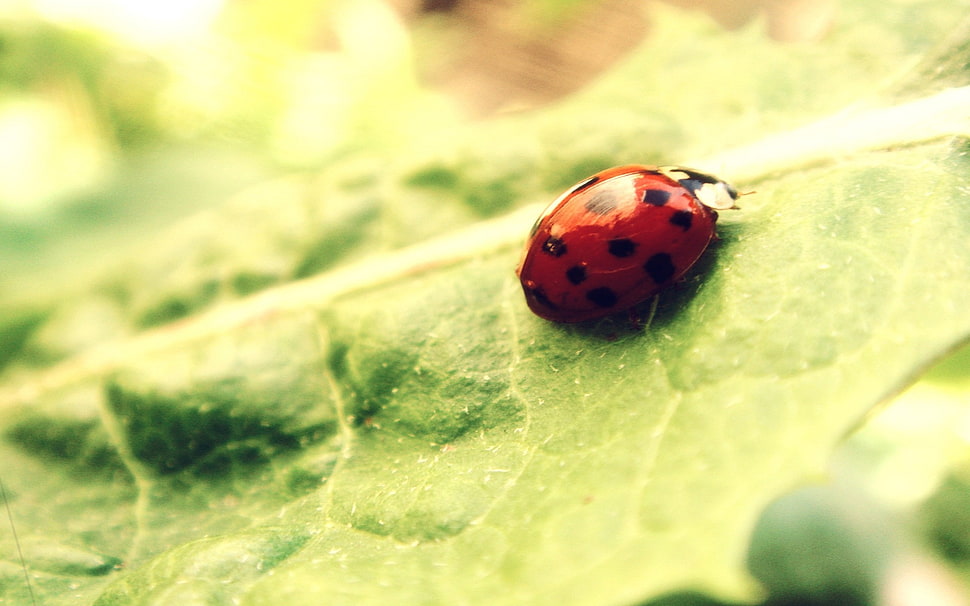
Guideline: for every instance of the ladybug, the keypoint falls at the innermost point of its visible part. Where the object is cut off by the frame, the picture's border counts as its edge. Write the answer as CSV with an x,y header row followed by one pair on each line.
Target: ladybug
x,y
617,238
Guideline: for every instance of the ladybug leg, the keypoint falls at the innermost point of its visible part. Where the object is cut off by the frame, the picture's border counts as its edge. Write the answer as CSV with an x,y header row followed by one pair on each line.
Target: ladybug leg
x,y
653,311
636,322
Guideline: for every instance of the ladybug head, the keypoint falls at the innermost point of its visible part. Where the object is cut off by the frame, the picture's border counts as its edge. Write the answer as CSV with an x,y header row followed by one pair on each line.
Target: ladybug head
x,y
719,196
708,190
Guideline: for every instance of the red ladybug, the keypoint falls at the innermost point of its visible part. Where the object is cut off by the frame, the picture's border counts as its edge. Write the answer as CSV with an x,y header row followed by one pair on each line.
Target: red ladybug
x,y
617,238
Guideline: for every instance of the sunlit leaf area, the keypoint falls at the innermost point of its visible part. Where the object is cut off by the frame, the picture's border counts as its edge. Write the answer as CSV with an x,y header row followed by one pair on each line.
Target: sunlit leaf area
x,y
262,340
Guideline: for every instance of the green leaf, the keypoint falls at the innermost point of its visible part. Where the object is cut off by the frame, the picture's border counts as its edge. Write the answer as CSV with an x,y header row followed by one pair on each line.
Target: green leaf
x,y
397,427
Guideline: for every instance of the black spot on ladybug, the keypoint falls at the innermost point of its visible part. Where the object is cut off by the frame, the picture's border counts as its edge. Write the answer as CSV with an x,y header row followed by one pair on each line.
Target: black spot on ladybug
x,y
656,197
576,274
554,246
541,298
602,203
659,267
621,247
682,219
602,297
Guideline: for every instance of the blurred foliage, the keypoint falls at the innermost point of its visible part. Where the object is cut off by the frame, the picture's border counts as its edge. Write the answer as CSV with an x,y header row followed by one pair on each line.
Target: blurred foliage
x,y
107,137
39,60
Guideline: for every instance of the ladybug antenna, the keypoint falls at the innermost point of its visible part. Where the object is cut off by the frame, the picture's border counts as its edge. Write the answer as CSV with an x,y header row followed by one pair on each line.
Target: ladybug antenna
x,y
740,194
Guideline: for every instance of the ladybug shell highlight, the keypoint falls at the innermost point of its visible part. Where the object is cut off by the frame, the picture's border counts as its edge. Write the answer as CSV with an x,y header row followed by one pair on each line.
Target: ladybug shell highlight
x,y
617,238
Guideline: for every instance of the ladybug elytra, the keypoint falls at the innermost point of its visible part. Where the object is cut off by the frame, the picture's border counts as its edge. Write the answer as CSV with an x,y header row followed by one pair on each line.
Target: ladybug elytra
x,y
617,238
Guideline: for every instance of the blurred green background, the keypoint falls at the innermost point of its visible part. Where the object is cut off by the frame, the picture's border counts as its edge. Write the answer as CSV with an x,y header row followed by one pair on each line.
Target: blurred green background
x,y
119,113
117,118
